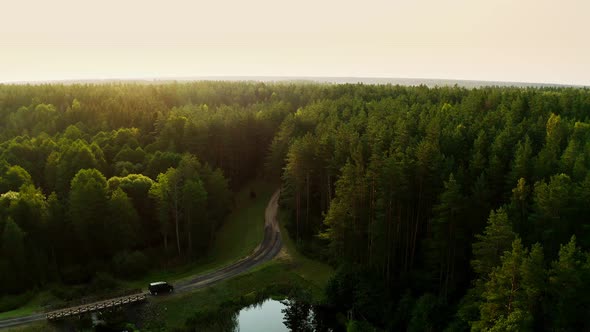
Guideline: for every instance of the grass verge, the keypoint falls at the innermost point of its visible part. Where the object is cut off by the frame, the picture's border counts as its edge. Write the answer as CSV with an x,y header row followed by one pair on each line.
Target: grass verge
x,y
314,271
36,302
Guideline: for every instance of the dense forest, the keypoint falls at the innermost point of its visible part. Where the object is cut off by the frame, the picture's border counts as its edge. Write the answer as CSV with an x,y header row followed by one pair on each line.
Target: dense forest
x,y
446,207
443,208
117,178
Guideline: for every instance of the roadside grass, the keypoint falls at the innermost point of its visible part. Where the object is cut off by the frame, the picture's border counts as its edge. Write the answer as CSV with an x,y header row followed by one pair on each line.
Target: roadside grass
x,y
244,229
239,235
35,304
23,311
314,271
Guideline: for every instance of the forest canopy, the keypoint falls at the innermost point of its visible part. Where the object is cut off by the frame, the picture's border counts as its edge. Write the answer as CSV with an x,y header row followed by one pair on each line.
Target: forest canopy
x,y
444,208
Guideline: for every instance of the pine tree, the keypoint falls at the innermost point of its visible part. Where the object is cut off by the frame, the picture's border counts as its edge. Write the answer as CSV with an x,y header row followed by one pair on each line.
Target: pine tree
x,y
551,208
446,233
521,165
491,245
569,289
519,206
504,306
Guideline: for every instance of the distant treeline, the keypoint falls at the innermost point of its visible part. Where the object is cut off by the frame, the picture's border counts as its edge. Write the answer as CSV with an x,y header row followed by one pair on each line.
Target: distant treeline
x,y
444,208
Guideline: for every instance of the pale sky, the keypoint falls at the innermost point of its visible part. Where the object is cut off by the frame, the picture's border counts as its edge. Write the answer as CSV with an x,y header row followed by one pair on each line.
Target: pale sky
x,y
499,40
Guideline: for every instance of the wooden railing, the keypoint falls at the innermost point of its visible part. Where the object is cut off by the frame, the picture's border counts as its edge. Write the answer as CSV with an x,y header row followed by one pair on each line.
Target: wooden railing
x,y
75,310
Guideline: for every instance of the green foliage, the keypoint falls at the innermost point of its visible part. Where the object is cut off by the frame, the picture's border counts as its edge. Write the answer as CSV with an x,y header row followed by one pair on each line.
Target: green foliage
x,y
10,302
366,169
504,298
14,257
14,178
496,238
447,237
160,194
423,314
521,165
396,181
194,199
122,222
569,278
551,211
87,206
130,264
358,326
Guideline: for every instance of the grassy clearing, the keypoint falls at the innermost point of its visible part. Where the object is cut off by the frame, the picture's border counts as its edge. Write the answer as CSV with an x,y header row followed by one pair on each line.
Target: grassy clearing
x,y
238,236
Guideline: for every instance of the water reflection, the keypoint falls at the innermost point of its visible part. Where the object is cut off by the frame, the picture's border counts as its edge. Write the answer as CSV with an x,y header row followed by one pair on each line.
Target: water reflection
x,y
286,315
303,316
267,315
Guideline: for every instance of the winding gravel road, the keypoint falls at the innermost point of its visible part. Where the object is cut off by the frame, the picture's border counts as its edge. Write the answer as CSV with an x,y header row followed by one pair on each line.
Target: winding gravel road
x,y
269,248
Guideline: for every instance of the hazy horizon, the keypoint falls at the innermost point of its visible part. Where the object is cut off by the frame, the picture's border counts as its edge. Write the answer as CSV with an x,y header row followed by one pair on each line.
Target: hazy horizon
x,y
501,41
406,81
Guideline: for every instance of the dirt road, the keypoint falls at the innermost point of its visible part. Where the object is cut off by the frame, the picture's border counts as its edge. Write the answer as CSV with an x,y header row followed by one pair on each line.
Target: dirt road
x,y
270,246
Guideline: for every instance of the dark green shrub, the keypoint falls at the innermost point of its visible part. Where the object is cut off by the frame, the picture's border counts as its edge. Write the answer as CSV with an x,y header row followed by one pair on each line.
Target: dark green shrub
x,y
130,264
10,302
75,274
103,282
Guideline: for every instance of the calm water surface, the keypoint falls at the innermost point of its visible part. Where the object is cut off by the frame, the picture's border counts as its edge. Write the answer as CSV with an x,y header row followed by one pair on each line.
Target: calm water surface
x,y
264,317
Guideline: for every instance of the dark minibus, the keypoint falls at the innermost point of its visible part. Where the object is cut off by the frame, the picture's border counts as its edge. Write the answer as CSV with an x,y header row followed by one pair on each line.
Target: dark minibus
x,y
160,287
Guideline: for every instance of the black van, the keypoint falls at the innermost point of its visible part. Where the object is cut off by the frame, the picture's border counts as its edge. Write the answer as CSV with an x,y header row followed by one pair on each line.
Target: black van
x,y
160,287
